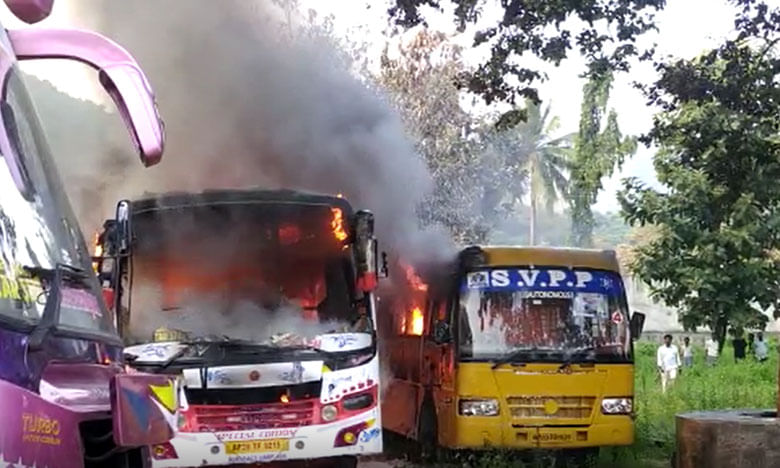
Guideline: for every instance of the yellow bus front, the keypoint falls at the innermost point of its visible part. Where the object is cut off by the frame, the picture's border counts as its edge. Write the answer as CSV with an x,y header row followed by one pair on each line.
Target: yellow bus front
x,y
544,360
538,406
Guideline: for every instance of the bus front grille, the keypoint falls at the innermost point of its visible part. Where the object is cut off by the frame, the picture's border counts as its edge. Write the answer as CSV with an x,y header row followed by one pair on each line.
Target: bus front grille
x,y
551,407
236,418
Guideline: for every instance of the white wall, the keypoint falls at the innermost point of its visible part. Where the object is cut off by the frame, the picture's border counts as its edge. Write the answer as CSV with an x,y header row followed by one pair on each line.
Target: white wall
x,y
659,316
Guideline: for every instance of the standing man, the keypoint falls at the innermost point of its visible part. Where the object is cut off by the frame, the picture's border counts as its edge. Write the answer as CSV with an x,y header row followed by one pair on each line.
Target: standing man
x,y
687,352
668,362
760,348
712,350
739,345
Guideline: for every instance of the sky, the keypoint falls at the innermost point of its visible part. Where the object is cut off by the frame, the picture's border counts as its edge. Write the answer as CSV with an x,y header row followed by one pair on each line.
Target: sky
x,y
686,28
683,32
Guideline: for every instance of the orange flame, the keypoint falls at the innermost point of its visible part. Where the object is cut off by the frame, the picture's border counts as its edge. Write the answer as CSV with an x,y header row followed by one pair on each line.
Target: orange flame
x,y
338,224
98,251
417,322
414,279
285,398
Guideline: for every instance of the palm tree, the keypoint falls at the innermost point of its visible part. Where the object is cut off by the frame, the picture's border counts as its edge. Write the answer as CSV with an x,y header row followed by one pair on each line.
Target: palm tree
x,y
543,158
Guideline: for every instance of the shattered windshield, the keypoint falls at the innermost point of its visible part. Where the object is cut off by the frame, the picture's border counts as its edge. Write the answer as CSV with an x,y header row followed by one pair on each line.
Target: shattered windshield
x,y
543,314
276,274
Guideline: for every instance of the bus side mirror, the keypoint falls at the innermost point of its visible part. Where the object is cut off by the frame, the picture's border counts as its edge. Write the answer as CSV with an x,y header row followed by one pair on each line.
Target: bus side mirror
x,y
118,72
441,332
365,251
637,324
384,269
122,239
30,11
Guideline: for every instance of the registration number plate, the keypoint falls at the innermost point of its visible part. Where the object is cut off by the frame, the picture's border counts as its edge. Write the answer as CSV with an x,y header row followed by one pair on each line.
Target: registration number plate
x,y
257,446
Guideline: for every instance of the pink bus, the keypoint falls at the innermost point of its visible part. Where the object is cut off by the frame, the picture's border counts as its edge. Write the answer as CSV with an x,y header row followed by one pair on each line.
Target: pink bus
x,y
65,398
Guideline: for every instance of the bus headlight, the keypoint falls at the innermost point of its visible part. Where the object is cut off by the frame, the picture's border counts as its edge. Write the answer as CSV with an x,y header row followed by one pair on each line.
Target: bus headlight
x,y
478,407
329,413
617,405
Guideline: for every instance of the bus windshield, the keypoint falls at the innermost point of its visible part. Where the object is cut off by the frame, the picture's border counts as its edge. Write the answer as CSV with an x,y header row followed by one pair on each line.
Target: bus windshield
x,y
252,271
38,229
543,314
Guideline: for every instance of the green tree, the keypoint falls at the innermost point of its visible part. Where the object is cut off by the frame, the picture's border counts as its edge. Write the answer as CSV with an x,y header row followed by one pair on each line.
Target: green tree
x,y
719,156
541,157
606,32
609,230
598,149
469,173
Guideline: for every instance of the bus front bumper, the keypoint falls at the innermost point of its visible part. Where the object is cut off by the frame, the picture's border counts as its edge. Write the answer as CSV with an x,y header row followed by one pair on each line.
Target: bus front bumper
x,y
483,434
357,435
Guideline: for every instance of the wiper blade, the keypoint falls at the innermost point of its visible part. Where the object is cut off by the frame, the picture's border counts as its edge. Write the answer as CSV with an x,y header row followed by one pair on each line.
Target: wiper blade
x,y
513,356
569,359
235,345
308,348
68,272
51,311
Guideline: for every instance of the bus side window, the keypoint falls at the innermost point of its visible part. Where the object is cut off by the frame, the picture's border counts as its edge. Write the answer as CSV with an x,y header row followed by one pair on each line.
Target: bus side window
x,y
440,311
430,319
399,317
459,324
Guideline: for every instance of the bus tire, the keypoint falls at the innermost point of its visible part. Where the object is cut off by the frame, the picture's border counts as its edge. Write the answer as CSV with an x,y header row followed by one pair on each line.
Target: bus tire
x,y
427,432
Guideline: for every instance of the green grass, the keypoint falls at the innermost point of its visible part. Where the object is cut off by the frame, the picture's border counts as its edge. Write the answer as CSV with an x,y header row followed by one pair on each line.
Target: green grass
x,y
727,385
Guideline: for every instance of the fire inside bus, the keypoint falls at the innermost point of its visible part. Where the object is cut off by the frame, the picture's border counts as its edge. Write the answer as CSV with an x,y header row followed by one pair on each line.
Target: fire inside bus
x,y
263,303
515,348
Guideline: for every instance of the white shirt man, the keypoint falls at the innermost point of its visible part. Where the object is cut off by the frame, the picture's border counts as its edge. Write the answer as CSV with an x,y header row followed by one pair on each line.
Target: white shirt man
x,y
687,352
668,357
712,350
761,348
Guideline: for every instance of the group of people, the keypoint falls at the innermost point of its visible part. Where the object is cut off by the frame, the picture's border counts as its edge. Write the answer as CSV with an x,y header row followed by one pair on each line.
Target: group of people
x,y
671,360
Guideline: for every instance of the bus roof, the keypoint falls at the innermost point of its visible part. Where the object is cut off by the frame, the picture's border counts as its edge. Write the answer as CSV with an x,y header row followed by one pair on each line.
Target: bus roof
x,y
152,202
548,256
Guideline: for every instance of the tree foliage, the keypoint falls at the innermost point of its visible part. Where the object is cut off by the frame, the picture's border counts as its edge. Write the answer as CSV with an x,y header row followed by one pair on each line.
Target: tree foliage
x,y
540,157
606,33
599,148
719,157
470,175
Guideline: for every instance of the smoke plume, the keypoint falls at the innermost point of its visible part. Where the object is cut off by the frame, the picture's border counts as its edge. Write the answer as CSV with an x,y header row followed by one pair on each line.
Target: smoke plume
x,y
249,102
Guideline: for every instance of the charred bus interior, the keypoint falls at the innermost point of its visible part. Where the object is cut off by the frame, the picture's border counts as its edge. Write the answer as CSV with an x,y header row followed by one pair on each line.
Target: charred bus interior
x,y
252,269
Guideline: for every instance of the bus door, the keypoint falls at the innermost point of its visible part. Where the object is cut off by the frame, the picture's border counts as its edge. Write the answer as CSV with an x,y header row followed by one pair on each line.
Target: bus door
x,y
438,367
405,390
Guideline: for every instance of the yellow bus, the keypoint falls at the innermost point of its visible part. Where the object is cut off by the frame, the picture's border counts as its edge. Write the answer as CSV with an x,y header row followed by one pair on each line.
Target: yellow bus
x,y
513,348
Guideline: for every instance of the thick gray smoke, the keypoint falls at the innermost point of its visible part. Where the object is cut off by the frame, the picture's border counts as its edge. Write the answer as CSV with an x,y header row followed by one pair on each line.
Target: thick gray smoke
x,y
204,315
247,103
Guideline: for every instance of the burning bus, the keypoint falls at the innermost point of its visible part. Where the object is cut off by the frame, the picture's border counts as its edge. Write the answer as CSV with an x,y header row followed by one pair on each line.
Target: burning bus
x,y
263,303
512,347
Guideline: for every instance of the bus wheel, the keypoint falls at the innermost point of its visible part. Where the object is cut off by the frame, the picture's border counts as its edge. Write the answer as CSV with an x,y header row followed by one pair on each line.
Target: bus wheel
x,y
427,433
